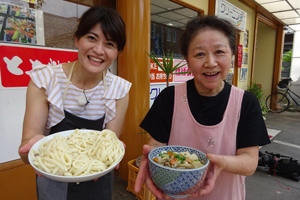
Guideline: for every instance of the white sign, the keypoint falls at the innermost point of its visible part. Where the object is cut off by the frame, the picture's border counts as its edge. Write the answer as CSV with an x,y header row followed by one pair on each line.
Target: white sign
x,y
236,16
155,89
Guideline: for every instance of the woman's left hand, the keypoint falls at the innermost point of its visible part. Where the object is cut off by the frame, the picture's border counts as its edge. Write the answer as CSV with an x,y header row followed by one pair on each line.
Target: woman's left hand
x,y
216,165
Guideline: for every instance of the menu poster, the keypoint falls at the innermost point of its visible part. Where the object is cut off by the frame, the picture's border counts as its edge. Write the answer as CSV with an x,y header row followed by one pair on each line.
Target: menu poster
x,y
18,24
31,1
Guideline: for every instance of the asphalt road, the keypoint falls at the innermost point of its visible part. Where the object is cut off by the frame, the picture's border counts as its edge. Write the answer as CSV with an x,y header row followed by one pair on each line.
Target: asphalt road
x,y
264,186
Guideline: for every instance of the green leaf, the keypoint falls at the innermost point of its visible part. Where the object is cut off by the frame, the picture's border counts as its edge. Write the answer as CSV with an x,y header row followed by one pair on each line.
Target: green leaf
x,y
167,64
287,56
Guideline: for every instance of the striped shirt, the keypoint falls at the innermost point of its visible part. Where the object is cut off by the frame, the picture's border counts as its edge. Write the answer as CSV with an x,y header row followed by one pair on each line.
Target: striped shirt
x,y
54,80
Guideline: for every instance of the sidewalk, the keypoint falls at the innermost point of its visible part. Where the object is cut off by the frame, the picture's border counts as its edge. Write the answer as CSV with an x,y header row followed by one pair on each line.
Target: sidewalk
x,y
120,192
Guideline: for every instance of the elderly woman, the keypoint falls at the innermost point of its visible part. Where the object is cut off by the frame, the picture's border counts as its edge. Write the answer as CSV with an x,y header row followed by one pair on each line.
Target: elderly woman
x,y
208,114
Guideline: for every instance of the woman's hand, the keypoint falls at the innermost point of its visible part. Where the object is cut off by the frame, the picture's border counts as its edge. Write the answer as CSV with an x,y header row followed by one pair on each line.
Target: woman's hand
x,y
26,147
144,176
216,165
243,163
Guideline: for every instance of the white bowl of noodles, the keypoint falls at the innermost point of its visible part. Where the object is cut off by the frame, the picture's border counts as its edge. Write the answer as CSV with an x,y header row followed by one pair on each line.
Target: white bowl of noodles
x,y
76,155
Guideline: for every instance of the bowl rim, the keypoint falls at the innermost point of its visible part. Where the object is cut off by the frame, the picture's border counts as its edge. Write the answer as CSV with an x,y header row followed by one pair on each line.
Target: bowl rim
x,y
71,178
174,169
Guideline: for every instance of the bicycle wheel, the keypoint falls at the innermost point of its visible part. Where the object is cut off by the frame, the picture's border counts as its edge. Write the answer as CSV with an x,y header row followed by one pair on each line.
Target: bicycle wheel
x,y
278,102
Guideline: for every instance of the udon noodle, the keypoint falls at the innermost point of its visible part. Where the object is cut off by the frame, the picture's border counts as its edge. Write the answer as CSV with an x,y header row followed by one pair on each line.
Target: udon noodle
x,y
78,154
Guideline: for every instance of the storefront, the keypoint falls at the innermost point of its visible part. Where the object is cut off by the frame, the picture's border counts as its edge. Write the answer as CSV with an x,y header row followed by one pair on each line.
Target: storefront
x,y
55,25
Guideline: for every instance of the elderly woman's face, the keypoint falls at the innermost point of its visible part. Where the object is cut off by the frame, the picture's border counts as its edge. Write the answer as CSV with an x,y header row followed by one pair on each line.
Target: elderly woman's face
x,y
209,59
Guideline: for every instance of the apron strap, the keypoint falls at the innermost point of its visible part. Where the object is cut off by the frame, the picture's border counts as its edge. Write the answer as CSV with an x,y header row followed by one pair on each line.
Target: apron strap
x,y
68,82
69,78
103,78
104,85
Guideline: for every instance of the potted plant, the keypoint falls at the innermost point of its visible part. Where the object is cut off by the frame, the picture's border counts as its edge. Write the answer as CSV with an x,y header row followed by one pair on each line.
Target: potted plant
x,y
287,59
258,92
167,64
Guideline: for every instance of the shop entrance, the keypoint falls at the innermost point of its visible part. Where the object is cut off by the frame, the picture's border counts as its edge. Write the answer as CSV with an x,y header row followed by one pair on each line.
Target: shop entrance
x,y
264,56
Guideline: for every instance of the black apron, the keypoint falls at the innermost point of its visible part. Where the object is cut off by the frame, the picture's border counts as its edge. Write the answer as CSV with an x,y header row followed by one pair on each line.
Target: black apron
x,y
89,190
101,189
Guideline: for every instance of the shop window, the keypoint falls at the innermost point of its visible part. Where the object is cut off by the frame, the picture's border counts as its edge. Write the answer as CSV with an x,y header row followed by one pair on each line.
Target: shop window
x,y
59,20
168,34
153,28
170,19
174,35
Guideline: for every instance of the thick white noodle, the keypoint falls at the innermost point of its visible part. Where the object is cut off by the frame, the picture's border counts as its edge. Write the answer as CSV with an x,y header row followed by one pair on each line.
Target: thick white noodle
x,y
78,154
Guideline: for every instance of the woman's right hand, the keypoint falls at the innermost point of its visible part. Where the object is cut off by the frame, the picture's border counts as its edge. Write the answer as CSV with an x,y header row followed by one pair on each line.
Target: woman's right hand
x,y
26,147
144,176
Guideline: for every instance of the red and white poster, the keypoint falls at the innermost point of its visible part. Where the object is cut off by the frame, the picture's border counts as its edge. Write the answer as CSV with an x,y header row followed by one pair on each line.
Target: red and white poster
x,y
158,79
240,55
17,60
157,75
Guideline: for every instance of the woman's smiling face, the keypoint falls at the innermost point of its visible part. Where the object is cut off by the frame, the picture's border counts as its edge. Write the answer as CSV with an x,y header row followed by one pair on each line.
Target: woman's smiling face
x,y
96,52
209,59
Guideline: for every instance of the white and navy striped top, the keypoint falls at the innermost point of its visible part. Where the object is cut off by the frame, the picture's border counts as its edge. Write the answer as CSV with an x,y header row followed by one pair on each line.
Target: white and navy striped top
x,y
54,80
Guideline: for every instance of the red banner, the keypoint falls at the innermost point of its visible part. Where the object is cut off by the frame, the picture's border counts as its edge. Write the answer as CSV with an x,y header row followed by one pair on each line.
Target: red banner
x,y
157,75
18,60
240,55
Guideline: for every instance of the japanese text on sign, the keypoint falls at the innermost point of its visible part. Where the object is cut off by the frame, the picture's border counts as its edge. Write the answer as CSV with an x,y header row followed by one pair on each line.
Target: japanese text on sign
x,y
19,60
236,16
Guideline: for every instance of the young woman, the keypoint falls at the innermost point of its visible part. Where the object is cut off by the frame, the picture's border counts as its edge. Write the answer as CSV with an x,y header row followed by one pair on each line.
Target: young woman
x,y
208,114
81,94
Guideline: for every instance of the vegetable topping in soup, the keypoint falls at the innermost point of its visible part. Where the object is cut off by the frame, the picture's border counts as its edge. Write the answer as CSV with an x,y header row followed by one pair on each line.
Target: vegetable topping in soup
x,y
182,160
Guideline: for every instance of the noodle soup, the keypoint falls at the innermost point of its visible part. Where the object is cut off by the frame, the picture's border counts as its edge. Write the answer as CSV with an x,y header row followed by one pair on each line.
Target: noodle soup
x,y
173,180
182,160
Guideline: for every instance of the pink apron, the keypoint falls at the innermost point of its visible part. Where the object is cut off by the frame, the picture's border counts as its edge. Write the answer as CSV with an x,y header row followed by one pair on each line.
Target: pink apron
x,y
217,139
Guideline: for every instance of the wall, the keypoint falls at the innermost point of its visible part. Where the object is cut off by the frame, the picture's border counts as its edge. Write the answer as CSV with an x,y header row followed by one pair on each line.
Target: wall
x,y
264,58
12,107
250,25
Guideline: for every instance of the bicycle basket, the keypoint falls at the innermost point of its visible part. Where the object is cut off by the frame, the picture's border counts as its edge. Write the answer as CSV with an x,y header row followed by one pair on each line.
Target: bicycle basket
x,y
284,84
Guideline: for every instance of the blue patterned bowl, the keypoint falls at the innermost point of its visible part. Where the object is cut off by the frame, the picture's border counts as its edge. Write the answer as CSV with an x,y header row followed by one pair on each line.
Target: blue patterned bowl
x,y
177,183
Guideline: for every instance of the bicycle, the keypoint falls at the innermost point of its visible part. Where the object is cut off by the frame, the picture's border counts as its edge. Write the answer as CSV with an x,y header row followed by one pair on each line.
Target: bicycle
x,y
279,101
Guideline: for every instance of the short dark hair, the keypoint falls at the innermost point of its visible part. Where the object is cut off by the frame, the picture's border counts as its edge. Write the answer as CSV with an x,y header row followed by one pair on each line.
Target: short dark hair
x,y
209,21
111,22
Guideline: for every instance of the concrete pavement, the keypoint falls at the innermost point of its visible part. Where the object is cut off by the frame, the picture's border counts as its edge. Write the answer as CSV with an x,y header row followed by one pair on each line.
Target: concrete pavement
x,y
264,186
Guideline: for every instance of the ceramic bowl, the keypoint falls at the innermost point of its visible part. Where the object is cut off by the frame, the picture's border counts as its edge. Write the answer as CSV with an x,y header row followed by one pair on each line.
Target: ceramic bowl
x,y
73,178
177,183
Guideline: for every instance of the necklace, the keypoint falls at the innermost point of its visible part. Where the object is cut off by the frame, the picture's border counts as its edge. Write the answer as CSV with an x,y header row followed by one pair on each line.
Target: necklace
x,y
82,99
